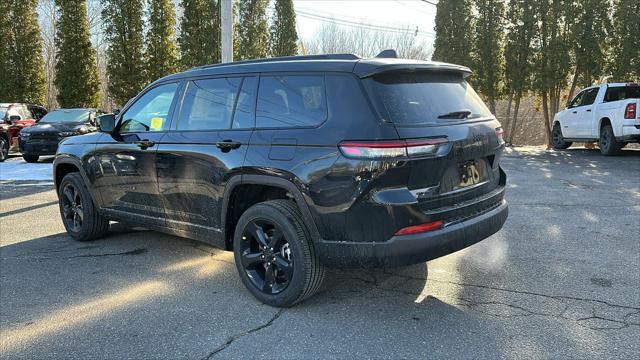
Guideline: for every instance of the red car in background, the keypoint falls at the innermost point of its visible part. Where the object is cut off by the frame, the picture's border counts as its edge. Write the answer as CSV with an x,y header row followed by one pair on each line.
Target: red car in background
x,y
13,118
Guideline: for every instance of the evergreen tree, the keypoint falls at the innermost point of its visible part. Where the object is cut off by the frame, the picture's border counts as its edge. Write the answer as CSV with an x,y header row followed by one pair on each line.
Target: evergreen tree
x,y
518,56
22,66
487,49
454,29
6,49
123,29
161,50
624,65
589,31
252,30
76,69
283,35
552,61
199,33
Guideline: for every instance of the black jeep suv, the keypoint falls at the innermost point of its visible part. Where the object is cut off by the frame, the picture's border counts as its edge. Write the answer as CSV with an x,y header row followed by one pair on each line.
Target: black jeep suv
x,y
296,164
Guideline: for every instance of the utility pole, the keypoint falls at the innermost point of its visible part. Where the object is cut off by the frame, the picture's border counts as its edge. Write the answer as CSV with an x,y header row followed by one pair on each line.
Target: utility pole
x,y
226,29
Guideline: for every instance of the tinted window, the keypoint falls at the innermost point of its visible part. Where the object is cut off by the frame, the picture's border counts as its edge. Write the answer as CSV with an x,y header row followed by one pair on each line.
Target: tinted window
x,y
59,116
577,100
151,111
622,93
590,96
291,101
208,104
243,117
420,98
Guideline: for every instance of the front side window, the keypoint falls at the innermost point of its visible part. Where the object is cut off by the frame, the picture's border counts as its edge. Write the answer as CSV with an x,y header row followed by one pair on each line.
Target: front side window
x,y
291,101
208,104
151,111
577,100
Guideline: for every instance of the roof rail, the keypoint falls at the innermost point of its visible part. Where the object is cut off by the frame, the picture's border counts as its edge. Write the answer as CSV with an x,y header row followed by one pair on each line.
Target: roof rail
x,y
285,58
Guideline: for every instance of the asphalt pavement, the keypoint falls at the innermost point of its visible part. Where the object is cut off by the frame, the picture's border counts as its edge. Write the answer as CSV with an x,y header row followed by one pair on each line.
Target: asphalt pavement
x,y
561,280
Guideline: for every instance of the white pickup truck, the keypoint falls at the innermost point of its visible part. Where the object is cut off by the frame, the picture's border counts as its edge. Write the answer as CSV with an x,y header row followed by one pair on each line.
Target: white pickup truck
x,y
607,113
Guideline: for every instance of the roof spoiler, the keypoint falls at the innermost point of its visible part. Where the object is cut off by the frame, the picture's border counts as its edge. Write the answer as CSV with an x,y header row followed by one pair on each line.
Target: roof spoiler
x,y
388,54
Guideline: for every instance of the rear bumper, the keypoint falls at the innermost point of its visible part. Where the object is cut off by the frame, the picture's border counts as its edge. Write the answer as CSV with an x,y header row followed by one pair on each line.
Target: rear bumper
x,y
416,248
630,133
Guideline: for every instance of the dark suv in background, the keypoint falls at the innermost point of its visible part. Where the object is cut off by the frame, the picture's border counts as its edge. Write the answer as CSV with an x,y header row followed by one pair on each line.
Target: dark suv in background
x,y
43,138
296,164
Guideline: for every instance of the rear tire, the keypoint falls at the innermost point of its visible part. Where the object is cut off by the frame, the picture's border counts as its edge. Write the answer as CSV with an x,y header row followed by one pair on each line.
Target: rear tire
x,y
557,140
79,214
608,144
30,158
279,225
4,149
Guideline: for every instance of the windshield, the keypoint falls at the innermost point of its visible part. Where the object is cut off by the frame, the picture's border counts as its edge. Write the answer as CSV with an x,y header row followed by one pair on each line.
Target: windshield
x,y
428,98
3,111
59,116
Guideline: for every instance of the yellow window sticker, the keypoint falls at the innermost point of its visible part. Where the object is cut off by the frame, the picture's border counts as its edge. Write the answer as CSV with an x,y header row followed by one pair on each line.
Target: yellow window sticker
x,y
156,123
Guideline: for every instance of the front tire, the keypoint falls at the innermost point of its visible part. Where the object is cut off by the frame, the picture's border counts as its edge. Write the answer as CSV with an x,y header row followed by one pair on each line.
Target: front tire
x,y
79,214
275,254
4,149
30,158
608,144
557,140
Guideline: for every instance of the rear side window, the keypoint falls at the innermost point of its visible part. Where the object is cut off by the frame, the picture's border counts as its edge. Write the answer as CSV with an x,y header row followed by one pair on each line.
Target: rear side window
x,y
590,96
291,101
208,104
622,93
420,98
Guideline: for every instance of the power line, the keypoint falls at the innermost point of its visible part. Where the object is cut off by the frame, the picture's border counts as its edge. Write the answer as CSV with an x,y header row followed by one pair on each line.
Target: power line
x,y
430,2
362,25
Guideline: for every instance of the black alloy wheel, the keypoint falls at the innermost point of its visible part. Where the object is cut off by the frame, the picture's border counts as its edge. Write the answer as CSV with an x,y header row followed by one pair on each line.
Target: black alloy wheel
x,y
72,211
266,256
557,140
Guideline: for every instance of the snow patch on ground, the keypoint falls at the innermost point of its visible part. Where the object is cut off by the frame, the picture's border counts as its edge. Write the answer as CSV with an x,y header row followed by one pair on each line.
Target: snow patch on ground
x,y
16,169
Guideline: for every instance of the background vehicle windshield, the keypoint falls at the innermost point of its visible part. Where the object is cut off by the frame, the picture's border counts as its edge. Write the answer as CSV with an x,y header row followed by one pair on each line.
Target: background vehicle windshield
x,y
3,111
420,98
59,116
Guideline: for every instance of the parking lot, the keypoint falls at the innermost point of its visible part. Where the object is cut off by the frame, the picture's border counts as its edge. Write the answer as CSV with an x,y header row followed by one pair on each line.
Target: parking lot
x,y
562,279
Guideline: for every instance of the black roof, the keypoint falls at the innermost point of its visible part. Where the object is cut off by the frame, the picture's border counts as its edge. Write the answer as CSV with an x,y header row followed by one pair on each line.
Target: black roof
x,y
322,63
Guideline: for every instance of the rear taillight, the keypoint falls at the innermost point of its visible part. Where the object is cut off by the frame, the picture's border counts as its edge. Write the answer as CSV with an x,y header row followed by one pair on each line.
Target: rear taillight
x,y
630,111
391,149
422,228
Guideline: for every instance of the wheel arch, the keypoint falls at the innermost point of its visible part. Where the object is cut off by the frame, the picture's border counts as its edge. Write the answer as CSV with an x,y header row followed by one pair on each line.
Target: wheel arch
x,y
268,187
64,165
602,122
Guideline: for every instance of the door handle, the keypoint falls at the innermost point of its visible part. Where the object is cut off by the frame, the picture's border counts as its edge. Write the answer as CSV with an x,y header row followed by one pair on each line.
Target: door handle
x,y
227,145
143,144
588,110
575,111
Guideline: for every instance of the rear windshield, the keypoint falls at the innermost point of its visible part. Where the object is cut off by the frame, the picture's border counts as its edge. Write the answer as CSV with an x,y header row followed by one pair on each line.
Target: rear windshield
x,y
421,98
617,93
66,116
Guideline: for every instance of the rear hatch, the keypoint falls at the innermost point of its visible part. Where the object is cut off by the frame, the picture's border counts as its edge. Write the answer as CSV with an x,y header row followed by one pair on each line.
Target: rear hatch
x,y
442,106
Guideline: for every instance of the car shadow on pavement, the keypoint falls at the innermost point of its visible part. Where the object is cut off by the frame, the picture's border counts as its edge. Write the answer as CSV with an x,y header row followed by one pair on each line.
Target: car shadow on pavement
x,y
135,291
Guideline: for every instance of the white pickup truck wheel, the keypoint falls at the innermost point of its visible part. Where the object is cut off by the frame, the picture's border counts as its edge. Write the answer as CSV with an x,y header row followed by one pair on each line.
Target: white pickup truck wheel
x,y
557,140
608,143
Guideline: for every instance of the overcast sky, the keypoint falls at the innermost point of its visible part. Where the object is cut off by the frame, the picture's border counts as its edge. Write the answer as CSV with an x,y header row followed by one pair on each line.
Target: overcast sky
x,y
384,13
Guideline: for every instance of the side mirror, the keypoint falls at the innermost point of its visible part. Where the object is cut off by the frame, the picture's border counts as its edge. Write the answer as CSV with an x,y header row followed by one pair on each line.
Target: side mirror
x,y
116,111
106,123
14,118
